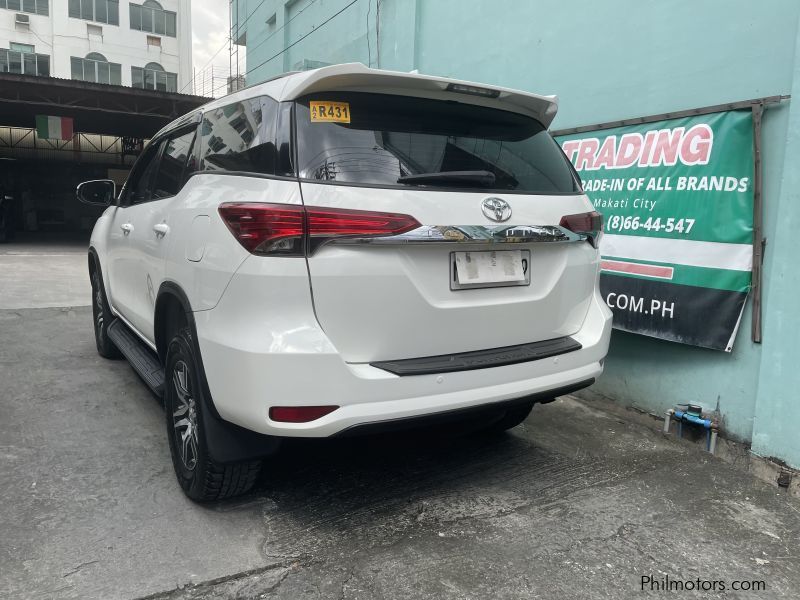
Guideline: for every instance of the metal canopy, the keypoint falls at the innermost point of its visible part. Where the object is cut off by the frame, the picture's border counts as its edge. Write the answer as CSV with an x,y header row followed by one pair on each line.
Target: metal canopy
x,y
95,107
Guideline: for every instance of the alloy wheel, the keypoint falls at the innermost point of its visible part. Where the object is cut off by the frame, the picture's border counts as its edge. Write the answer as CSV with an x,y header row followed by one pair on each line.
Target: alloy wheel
x,y
98,308
184,416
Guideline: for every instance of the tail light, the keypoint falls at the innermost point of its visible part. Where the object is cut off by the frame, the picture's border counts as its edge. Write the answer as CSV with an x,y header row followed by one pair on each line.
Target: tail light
x,y
589,224
299,414
266,228
290,230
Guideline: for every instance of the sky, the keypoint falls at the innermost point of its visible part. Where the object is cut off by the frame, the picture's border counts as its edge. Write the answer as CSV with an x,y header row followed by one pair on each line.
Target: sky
x,y
210,38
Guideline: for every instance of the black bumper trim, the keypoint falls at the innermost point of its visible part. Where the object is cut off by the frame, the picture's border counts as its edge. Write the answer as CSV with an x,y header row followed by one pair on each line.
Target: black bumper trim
x,y
458,414
479,359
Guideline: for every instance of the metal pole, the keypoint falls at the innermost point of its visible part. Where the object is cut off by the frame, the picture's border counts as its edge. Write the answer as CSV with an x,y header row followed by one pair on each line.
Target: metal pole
x,y
758,221
230,36
712,447
678,114
378,32
237,40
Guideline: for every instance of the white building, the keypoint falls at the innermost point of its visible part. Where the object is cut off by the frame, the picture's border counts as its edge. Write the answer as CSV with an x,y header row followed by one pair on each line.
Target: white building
x,y
139,43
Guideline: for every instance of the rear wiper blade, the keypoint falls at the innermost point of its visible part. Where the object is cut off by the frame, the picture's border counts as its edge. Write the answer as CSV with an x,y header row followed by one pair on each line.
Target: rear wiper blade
x,y
482,178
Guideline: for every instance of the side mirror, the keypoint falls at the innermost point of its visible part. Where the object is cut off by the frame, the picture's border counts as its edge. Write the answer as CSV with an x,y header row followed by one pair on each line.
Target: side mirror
x,y
100,192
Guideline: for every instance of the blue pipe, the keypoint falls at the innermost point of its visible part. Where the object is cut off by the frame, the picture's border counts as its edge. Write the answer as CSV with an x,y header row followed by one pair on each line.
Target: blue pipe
x,y
683,416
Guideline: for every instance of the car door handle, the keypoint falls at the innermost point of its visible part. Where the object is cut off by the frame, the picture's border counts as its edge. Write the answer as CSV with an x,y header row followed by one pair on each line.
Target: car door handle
x,y
161,229
126,228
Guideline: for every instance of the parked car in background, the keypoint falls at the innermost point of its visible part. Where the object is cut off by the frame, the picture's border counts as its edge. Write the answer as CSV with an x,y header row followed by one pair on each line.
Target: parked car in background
x,y
342,251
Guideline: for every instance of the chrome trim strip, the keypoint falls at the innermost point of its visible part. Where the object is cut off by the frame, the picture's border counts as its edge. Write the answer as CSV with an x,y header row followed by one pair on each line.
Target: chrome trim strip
x,y
133,329
470,234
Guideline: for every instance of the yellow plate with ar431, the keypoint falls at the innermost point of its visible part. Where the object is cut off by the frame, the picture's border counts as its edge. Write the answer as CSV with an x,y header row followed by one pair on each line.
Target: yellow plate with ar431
x,y
329,112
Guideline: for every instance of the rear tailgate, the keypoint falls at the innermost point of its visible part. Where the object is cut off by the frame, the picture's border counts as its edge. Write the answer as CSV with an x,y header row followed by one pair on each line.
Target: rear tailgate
x,y
393,300
401,297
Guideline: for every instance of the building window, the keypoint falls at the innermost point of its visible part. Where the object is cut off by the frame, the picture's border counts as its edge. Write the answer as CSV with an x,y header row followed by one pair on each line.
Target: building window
x,y
96,68
26,48
154,77
216,144
34,7
150,17
24,63
102,11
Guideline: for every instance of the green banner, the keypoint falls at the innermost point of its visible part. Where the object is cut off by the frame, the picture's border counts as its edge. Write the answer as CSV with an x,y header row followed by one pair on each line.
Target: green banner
x,y
677,204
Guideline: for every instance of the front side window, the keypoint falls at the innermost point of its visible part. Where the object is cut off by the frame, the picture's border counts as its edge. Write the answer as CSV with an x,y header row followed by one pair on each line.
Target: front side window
x,y
96,68
34,7
154,77
174,164
138,189
150,17
240,137
386,140
102,11
23,62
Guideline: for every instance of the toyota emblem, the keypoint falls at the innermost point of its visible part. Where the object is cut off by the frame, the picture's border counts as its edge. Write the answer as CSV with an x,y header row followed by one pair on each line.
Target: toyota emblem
x,y
496,209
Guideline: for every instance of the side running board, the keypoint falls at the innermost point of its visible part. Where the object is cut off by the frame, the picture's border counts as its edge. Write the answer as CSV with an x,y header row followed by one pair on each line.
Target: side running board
x,y
142,359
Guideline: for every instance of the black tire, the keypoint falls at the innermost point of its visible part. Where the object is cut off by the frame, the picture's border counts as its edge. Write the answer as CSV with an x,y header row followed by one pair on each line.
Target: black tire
x,y
202,479
102,318
512,417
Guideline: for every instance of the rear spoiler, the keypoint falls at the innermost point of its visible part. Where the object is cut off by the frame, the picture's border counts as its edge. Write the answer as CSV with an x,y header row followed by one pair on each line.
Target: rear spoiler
x,y
356,77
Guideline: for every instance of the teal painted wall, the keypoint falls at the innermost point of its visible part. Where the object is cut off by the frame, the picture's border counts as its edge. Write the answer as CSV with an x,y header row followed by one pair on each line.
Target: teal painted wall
x,y
777,411
608,60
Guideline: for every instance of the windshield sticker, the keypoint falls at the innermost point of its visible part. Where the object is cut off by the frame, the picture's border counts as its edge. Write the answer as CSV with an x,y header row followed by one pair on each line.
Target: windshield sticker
x,y
329,112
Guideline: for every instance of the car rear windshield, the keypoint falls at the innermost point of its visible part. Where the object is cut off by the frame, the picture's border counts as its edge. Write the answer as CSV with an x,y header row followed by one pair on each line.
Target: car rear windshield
x,y
378,139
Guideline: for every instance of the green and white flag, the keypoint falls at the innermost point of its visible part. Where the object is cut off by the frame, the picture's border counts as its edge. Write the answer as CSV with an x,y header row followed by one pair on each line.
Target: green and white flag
x,y
54,128
677,204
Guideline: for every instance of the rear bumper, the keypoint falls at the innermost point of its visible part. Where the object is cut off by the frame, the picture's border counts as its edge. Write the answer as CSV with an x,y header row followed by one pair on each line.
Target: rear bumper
x,y
265,348
475,413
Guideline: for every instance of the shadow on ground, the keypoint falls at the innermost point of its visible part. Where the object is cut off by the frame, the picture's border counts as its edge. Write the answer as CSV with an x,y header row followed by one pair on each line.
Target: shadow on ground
x,y
574,503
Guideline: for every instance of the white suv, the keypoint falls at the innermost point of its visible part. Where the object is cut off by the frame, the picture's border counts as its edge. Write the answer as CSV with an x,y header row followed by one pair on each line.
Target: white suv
x,y
347,250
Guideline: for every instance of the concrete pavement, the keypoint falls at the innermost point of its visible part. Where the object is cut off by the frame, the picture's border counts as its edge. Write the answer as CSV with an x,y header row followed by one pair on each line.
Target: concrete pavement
x,y
48,272
575,503
581,501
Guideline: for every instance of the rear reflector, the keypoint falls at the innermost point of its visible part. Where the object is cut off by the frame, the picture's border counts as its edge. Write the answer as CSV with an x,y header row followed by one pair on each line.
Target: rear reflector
x,y
589,224
299,414
285,229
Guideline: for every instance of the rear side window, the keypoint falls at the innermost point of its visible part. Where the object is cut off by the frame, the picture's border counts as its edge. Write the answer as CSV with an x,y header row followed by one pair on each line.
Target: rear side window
x,y
240,137
389,137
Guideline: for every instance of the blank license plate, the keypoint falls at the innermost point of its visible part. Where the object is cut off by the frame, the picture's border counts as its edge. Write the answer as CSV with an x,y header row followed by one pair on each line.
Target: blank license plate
x,y
489,268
